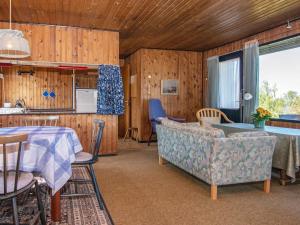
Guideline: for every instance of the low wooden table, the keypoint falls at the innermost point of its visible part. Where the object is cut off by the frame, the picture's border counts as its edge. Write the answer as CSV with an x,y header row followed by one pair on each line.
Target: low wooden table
x,y
286,156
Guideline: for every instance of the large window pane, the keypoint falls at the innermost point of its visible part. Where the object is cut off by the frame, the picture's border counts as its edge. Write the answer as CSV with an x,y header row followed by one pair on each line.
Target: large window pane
x,y
279,83
230,84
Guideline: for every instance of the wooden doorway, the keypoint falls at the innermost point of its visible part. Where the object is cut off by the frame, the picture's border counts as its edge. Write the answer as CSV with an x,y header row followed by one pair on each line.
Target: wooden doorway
x,y
1,90
124,120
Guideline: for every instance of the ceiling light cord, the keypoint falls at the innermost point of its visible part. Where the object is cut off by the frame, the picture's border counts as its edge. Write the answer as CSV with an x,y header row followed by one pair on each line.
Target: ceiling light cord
x,y
12,42
10,14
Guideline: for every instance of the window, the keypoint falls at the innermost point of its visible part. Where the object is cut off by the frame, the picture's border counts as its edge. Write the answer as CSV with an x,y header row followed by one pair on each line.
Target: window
x,y
230,71
279,78
230,84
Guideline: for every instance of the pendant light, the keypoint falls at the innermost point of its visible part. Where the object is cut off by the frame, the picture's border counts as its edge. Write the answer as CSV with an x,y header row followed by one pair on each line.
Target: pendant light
x,y
12,42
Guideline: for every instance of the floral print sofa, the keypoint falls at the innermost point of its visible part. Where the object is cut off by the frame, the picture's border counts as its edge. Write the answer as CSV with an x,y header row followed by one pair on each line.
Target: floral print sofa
x,y
218,160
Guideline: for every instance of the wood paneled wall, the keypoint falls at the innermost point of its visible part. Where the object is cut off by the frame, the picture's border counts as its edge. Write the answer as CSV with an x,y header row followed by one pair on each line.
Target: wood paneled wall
x,y
1,93
58,44
31,88
264,37
86,81
161,65
70,44
82,124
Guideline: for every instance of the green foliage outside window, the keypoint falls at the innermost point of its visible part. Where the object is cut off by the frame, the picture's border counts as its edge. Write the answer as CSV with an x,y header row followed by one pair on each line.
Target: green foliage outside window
x,y
289,103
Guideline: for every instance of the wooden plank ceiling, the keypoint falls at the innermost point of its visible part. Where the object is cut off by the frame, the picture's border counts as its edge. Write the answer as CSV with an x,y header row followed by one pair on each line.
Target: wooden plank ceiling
x,y
163,24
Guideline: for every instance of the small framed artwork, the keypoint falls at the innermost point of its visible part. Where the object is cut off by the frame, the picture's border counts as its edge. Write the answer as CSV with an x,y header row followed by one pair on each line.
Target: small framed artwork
x,y
169,87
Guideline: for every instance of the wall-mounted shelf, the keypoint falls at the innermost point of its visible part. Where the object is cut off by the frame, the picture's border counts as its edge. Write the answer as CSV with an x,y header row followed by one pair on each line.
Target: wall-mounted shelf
x,y
61,65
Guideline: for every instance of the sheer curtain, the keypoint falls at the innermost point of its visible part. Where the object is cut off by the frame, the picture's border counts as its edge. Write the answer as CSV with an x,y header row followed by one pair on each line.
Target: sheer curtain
x,y
229,84
213,99
250,73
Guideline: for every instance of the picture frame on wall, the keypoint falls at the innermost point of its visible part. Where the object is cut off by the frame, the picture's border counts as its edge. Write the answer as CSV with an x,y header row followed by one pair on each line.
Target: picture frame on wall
x,y
169,87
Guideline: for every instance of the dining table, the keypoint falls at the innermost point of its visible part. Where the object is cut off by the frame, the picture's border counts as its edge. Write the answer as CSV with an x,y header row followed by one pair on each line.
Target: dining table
x,y
286,155
48,152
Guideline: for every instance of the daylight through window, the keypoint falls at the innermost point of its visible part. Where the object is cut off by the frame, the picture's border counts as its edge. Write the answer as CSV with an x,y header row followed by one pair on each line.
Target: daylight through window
x,y
279,80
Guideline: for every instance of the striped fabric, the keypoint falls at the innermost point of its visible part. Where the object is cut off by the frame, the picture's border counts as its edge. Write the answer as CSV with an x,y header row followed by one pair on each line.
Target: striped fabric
x,y
49,151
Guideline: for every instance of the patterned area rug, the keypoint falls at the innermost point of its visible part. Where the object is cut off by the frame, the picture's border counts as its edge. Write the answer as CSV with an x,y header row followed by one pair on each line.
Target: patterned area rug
x,y
75,211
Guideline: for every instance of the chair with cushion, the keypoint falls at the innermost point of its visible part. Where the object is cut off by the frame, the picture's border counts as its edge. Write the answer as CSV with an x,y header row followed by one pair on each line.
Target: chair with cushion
x,y
156,113
14,182
208,116
41,121
86,160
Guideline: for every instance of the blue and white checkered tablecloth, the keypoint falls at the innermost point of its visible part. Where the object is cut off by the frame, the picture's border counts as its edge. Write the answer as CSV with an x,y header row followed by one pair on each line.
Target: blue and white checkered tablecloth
x,y
49,151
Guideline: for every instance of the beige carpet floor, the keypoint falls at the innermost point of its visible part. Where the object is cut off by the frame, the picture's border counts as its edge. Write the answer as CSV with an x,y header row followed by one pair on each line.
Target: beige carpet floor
x,y
138,191
75,211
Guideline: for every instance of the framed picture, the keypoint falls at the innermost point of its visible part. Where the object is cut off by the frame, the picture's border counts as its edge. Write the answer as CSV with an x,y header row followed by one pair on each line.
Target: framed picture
x,y
169,87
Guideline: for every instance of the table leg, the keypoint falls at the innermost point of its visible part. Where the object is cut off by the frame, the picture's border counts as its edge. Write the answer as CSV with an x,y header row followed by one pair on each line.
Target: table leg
x,y
55,207
283,177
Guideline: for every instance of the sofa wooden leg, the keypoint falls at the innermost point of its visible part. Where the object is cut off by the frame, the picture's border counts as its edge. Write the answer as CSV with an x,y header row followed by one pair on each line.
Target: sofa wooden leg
x,y
213,192
267,186
161,160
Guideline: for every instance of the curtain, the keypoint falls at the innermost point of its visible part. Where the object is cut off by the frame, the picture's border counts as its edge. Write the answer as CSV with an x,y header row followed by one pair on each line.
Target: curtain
x,y
110,98
213,99
251,79
229,86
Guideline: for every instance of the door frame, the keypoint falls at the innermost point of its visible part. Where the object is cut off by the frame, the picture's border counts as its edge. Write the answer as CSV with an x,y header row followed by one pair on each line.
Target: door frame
x,y
125,119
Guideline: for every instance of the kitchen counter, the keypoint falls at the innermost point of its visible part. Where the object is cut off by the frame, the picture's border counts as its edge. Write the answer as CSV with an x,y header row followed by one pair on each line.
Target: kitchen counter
x,y
82,123
44,112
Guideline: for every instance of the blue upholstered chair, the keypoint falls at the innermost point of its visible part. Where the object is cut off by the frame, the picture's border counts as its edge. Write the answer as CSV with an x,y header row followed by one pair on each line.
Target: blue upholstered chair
x,y
156,111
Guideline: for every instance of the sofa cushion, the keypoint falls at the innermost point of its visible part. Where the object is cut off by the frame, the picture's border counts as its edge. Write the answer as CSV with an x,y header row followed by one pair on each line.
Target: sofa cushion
x,y
248,134
195,128
207,131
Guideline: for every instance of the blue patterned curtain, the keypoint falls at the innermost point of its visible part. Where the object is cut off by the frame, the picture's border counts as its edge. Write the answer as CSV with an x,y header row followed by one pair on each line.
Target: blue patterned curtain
x,y
110,99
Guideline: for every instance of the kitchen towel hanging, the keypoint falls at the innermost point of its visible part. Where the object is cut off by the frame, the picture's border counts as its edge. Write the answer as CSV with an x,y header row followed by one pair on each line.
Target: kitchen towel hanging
x,y
110,97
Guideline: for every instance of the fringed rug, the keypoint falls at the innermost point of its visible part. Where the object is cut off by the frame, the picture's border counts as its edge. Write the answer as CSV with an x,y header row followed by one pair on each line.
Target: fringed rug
x,y
75,211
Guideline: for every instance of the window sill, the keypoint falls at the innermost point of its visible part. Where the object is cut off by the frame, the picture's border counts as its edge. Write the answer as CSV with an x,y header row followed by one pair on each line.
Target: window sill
x,y
285,120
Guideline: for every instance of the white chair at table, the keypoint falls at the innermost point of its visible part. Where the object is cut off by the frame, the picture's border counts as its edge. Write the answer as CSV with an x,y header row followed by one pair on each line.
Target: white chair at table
x,y
86,160
41,121
16,182
208,116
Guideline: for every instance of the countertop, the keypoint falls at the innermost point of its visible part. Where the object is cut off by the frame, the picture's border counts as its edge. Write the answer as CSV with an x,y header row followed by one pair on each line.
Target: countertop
x,y
44,112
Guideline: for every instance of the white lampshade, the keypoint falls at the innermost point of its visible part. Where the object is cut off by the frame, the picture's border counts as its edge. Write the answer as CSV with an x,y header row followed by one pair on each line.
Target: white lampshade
x,y
13,44
247,96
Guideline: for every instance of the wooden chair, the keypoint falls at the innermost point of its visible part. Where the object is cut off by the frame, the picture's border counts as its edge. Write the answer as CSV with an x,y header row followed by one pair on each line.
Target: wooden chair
x,y
13,181
41,121
211,116
86,160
